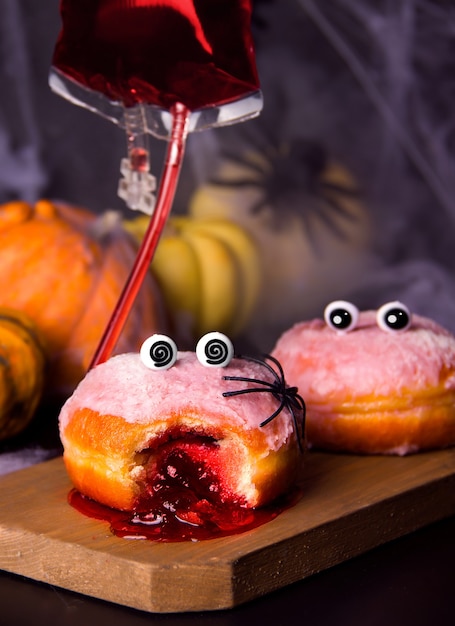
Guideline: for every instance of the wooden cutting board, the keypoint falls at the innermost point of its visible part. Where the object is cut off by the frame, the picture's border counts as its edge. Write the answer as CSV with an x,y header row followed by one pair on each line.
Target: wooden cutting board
x,y
350,504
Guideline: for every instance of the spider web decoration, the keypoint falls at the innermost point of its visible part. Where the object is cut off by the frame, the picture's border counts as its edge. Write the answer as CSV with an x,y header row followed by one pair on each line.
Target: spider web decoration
x,y
287,396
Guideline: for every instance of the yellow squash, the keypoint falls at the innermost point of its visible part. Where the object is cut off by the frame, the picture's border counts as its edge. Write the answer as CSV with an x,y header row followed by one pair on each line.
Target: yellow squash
x,y
208,271
22,371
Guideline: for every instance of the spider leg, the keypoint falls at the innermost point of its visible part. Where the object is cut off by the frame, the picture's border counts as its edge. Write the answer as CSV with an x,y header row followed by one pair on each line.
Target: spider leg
x,y
227,154
258,206
297,401
303,410
278,366
298,436
349,192
240,392
302,406
262,167
253,359
235,182
248,380
274,414
328,208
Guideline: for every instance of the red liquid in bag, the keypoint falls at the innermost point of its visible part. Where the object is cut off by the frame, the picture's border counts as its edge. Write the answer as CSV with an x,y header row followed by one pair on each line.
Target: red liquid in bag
x,y
159,52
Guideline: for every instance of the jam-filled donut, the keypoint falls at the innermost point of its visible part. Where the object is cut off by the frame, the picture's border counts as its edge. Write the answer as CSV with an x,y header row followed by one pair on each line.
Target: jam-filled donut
x,y
207,429
374,382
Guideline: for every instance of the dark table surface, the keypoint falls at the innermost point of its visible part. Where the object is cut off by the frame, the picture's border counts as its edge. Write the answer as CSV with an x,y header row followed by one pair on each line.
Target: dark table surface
x,y
410,581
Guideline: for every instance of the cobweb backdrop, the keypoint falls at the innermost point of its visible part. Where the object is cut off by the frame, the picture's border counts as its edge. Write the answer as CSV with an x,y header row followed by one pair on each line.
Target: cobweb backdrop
x,y
371,82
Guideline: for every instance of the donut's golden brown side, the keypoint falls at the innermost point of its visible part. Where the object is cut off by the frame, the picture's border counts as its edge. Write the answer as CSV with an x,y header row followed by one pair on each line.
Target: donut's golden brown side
x,y
371,392
393,430
111,459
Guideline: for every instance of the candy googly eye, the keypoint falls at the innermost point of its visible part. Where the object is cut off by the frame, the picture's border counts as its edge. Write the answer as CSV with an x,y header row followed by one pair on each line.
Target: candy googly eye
x,y
393,317
214,350
341,315
158,352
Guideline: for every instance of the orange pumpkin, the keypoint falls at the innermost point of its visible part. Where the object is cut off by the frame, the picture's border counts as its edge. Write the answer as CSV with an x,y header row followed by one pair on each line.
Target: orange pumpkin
x,y
22,371
65,268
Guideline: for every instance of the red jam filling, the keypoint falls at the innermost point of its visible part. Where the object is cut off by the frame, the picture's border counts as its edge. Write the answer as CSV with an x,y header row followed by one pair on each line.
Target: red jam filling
x,y
197,52
183,499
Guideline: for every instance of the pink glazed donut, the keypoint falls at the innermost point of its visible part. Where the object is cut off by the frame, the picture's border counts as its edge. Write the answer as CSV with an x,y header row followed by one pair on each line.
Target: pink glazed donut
x,y
128,423
373,382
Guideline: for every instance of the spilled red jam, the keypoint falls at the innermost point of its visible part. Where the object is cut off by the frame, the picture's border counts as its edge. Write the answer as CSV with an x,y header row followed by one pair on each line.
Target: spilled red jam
x,y
183,500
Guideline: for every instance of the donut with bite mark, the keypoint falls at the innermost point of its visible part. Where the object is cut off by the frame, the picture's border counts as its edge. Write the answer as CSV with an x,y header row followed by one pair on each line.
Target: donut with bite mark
x,y
230,435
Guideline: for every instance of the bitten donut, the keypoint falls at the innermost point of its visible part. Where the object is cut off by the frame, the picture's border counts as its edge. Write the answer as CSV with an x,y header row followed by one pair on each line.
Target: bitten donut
x,y
374,382
225,428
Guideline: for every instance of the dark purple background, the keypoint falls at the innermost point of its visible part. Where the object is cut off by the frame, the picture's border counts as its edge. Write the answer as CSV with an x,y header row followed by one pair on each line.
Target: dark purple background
x,y
372,82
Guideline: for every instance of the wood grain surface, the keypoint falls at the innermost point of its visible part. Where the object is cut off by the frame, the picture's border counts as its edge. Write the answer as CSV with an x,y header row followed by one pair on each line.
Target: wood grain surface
x,y
350,504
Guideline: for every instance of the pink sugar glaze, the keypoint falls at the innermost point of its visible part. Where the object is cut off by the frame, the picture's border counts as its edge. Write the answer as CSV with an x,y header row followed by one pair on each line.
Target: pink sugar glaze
x,y
123,386
328,365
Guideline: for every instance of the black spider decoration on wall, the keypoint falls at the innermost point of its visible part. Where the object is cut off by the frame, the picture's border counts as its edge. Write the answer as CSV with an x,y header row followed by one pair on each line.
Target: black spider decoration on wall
x,y
288,397
294,177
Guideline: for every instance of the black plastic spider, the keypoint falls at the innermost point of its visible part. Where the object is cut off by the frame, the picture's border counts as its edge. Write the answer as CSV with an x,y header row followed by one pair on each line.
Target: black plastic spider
x,y
287,396
294,178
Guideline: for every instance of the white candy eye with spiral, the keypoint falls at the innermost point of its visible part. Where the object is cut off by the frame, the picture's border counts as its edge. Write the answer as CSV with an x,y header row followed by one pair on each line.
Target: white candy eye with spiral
x,y
158,352
214,350
341,315
393,317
